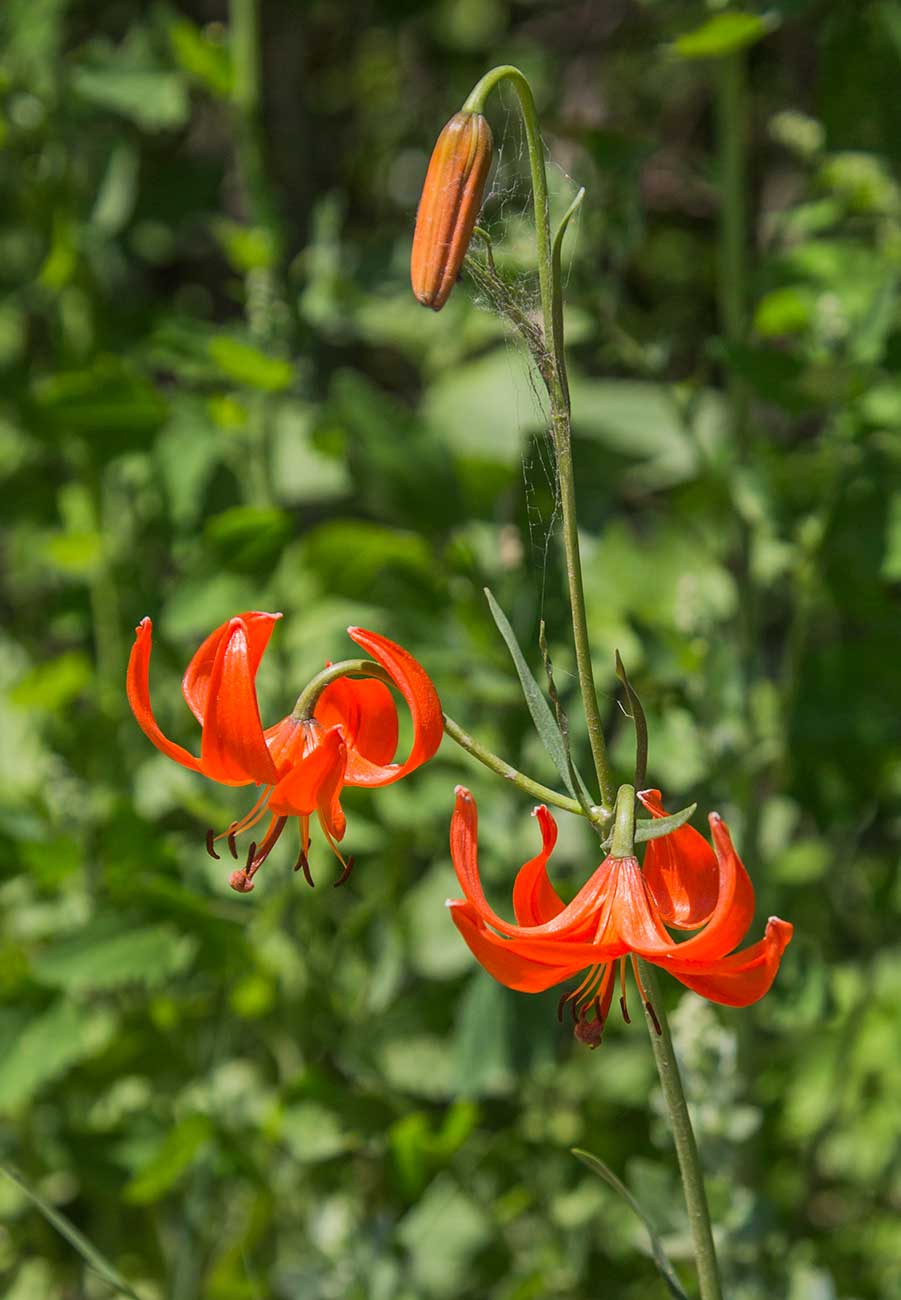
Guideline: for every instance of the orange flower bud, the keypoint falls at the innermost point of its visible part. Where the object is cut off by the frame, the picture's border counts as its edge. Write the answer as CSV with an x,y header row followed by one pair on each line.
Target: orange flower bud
x,y
450,203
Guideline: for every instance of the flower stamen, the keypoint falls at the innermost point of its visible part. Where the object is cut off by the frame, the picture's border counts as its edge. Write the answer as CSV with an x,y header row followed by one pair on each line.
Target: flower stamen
x,y
303,864
622,983
644,997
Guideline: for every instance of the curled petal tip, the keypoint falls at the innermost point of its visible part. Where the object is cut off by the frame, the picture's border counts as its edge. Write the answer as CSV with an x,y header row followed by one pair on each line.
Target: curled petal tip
x,y
462,793
784,930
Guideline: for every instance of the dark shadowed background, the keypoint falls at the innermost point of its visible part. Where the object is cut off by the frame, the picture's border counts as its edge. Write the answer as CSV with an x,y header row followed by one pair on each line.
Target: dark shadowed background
x,y
217,394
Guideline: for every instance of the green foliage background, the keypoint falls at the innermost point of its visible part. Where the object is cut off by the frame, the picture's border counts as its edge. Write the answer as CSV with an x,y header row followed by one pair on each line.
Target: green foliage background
x,y
217,393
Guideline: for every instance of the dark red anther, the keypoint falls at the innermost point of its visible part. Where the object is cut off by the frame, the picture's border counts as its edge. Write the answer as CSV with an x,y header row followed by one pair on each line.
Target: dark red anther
x,y
348,868
625,1010
564,998
653,1014
232,845
302,864
251,854
210,839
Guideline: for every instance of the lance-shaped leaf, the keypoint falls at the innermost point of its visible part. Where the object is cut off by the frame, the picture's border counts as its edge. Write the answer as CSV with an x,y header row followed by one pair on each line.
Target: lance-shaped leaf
x,y
536,703
659,1255
95,1261
653,828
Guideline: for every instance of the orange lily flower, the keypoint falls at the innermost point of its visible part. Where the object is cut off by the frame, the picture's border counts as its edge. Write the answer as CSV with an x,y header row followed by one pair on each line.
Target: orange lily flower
x,y
620,912
302,763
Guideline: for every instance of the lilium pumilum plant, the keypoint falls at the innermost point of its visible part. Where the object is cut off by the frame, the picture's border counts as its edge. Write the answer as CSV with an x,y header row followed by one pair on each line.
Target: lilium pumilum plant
x,y
302,762
623,911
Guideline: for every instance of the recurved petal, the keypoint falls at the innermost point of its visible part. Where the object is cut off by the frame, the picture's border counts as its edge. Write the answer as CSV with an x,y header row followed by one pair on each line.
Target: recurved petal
x,y
233,748
366,712
138,687
637,921
529,965
743,978
535,900
681,872
421,699
314,781
196,681
578,919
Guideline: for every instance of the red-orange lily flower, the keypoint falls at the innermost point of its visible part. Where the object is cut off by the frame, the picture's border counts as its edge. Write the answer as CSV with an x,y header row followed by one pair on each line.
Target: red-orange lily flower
x,y
301,763
620,912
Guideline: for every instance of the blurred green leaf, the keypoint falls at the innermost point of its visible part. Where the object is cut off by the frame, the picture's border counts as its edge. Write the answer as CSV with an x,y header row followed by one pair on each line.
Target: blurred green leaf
x,y
248,538
249,366
171,1161
784,311
110,404
442,1233
129,80
724,33
50,1044
206,60
314,1133
52,686
98,959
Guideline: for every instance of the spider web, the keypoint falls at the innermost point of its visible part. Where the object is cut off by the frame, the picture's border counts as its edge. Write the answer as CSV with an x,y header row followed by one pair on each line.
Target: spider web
x,y
507,216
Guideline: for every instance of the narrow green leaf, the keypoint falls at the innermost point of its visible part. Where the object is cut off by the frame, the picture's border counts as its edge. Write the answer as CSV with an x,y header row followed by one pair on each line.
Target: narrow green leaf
x,y
652,828
661,1259
724,34
95,1261
537,705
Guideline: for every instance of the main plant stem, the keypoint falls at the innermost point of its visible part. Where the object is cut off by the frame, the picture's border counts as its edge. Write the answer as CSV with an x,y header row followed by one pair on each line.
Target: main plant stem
x,y
554,375
684,1139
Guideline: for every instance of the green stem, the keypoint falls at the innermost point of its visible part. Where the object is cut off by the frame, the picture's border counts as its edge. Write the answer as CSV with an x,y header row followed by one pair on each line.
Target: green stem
x,y
511,774
683,1137
623,843
306,700
306,703
554,375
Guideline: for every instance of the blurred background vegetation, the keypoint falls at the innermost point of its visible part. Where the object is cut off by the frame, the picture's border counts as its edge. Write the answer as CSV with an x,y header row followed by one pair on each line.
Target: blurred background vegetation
x,y
217,393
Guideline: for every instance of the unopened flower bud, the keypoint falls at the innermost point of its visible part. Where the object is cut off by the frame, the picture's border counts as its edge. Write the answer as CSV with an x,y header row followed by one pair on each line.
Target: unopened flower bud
x,y
450,203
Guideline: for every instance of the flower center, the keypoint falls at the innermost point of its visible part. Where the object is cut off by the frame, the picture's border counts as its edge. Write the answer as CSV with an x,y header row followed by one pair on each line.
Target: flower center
x,y
590,1001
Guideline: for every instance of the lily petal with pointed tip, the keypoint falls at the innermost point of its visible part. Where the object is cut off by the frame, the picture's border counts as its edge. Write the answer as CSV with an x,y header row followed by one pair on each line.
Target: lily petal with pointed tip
x,y
303,763
620,911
